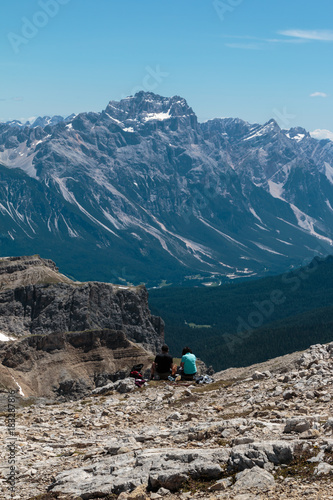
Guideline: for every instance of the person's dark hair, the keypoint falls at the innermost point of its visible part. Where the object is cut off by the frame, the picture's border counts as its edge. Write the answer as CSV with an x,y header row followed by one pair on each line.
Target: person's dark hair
x,y
165,348
186,350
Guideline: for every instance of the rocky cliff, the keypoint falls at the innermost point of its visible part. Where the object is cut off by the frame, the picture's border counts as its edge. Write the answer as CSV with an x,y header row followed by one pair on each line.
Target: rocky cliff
x,y
70,334
68,365
53,303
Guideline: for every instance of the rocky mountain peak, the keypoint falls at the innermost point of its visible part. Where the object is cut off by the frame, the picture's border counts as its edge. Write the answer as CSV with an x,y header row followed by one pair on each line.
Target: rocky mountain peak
x,y
297,133
146,107
271,127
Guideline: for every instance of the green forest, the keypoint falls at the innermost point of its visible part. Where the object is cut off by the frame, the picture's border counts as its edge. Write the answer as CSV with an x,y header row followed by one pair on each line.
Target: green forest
x,y
249,322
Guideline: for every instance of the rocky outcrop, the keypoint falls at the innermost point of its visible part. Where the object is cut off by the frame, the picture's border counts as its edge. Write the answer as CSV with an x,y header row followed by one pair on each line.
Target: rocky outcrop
x,y
71,337
32,270
61,305
69,365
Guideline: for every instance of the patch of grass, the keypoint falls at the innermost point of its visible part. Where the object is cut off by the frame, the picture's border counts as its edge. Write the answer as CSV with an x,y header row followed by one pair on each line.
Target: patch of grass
x,y
7,414
236,414
25,403
219,384
193,325
183,401
203,485
299,467
223,442
195,485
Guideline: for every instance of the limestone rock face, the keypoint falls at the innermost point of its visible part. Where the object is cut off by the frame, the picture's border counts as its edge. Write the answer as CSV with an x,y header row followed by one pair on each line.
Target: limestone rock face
x,y
170,196
70,337
69,365
50,303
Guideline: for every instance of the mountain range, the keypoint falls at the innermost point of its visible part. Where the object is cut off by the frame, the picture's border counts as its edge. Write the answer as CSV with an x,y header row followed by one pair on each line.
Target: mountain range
x,y
143,193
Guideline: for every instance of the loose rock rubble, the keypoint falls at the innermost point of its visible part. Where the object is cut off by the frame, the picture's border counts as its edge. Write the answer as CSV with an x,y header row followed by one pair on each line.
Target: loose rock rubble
x,y
245,436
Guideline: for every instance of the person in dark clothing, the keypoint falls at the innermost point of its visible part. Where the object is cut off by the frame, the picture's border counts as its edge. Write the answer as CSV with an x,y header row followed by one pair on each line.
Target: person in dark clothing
x,y
163,366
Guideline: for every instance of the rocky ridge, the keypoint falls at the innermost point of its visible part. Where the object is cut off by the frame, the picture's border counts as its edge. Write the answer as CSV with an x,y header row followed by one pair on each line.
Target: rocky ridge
x,y
53,321
260,432
146,193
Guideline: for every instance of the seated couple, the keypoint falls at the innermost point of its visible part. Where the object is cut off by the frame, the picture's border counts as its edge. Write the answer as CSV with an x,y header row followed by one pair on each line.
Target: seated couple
x,y
163,366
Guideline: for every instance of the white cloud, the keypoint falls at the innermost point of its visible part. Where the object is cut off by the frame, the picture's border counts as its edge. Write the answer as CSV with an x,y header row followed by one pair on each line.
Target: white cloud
x,y
318,94
321,35
288,36
322,134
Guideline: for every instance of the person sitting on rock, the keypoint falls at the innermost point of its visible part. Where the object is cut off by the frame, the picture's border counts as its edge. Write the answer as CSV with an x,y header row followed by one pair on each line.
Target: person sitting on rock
x,y
163,366
188,366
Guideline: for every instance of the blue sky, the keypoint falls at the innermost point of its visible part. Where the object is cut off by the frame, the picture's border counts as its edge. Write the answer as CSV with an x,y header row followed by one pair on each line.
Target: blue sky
x,y
254,59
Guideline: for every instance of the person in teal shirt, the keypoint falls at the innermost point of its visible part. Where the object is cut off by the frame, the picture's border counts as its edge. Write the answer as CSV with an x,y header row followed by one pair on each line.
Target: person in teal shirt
x,y
188,364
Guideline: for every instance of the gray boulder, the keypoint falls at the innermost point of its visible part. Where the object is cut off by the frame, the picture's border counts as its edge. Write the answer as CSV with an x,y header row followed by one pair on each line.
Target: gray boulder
x,y
125,385
263,455
172,479
253,478
296,425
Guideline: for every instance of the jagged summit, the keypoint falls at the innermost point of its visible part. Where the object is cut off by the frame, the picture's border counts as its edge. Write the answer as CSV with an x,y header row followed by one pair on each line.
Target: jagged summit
x,y
146,108
297,134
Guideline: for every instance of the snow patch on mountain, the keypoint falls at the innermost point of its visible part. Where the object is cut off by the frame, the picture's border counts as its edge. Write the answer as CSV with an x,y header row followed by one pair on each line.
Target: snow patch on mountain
x,y
5,338
69,196
226,236
157,116
253,212
285,242
328,204
21,157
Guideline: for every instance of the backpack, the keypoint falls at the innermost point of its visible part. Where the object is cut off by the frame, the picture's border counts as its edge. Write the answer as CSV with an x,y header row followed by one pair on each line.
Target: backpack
x,y
136,371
